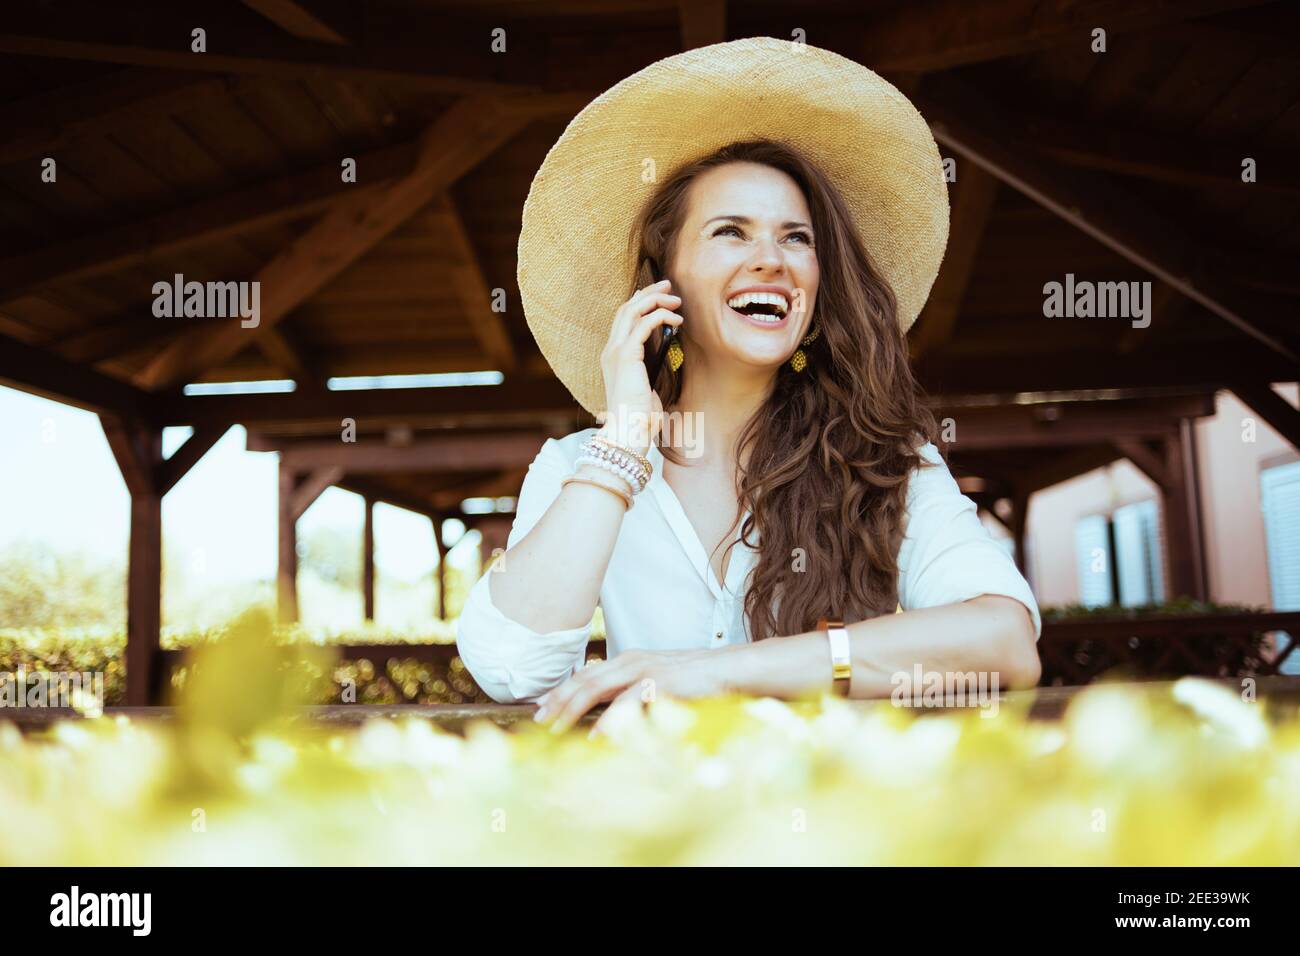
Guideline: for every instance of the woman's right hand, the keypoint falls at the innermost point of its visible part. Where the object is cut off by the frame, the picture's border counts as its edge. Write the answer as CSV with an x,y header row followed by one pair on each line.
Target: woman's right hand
x,y
633,409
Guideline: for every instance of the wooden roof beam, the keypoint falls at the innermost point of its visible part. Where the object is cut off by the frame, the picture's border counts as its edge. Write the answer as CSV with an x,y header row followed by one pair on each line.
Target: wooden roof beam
x,y
1079,423
445,453
44,373
541,398
459,140
952,373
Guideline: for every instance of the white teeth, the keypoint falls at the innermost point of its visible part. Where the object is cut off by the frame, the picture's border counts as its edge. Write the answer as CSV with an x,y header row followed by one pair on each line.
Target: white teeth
x,y
768,298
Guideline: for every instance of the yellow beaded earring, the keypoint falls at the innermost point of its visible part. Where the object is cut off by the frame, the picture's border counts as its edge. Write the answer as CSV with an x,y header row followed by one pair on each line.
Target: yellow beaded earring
x,y
675,354
799,361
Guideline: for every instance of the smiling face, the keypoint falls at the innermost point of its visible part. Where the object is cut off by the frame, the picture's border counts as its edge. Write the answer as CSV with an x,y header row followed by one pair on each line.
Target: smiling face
x,y
746,227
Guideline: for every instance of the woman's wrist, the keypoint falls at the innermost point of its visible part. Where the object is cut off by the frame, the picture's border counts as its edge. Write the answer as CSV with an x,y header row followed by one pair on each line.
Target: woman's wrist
x,y
627,432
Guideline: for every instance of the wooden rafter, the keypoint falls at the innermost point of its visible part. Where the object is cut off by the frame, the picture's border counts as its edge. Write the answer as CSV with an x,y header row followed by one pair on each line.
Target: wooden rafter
x,y
225,215
942,34
464,135
311,486
961,121
1280,414
296,20
1113,148
447,62
172,469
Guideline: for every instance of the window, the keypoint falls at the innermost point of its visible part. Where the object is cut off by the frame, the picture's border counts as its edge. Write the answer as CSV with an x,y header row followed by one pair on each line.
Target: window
x,y
1093,559
1118,557
1137,549
1280,501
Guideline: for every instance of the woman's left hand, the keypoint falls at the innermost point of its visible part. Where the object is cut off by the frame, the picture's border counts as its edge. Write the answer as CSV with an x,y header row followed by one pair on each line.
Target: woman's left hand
x,y
632,675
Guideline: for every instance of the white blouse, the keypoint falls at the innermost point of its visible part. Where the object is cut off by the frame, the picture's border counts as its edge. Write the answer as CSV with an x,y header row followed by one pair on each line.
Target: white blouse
x,y
652,599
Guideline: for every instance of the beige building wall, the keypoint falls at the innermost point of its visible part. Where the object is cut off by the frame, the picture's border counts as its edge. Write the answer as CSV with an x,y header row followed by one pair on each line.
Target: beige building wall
x,y
1230,458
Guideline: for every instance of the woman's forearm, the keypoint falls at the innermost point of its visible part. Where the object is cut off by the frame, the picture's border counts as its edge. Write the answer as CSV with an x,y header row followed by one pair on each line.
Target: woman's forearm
x,y
550,581
986,634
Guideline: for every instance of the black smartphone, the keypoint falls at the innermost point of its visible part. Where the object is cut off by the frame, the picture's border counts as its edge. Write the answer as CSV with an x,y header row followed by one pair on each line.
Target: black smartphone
x,y
666,333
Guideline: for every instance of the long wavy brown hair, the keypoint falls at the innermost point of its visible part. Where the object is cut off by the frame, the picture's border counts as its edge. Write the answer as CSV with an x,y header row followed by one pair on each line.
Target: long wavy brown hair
x,y
831,447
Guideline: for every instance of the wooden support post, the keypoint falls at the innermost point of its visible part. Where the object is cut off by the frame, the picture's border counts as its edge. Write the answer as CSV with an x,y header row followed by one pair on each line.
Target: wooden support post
x,y
1183,546
368,560
286,575
138,450
144,600
440,608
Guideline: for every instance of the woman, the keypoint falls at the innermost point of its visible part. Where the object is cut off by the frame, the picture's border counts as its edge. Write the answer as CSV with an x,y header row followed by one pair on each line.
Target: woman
x,y
793,497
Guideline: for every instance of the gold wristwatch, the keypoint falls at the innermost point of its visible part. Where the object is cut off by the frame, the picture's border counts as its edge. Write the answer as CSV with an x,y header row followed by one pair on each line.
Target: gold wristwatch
x,y
841,662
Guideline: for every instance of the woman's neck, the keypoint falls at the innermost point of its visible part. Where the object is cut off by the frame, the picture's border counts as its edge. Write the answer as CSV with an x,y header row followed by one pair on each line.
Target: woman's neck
x,y
721,401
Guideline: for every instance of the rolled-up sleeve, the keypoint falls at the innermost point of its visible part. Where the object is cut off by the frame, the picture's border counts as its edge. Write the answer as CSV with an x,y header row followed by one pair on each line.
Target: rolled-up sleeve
x,y
947,555
509,661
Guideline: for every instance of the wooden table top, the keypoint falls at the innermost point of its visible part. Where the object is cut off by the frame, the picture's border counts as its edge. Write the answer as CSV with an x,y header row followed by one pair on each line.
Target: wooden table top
x,y
1045,703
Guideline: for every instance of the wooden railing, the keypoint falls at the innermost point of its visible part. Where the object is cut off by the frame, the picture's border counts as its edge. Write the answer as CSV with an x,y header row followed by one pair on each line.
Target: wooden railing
x,y
1219,645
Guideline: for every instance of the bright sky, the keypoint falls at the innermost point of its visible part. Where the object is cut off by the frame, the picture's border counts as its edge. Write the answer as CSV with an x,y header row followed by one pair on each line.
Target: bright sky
x,y
59,484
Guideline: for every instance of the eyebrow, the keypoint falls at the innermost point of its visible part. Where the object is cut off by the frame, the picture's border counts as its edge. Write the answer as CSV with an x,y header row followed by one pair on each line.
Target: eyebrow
x,y
746,221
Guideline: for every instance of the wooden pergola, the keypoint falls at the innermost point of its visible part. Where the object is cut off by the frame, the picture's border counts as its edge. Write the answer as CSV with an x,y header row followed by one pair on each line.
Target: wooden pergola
x,y
132,156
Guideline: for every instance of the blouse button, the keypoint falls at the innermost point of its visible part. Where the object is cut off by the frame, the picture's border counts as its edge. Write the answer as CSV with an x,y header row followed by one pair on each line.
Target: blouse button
x,y
718,635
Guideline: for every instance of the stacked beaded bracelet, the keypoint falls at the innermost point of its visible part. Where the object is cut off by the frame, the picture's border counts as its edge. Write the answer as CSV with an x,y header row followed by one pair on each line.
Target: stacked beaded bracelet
x,y
625,463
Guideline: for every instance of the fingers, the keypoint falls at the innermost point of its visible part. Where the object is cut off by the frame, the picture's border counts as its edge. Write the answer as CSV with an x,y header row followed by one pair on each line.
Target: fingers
x,y
586,689
641,331
631,697
635,307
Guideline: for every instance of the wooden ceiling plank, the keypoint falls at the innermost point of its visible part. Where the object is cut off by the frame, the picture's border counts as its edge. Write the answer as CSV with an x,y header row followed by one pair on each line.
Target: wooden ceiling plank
x,y
470,285
703,22
43,124
223,216
976,194
463,136
922,37
962,122
108,34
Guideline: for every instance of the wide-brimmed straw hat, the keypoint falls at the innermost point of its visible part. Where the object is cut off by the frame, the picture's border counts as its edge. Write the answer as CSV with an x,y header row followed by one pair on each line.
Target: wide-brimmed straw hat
x,y
574,267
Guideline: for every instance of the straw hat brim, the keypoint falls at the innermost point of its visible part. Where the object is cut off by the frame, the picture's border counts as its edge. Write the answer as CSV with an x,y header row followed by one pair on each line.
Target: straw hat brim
x,y
574,266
